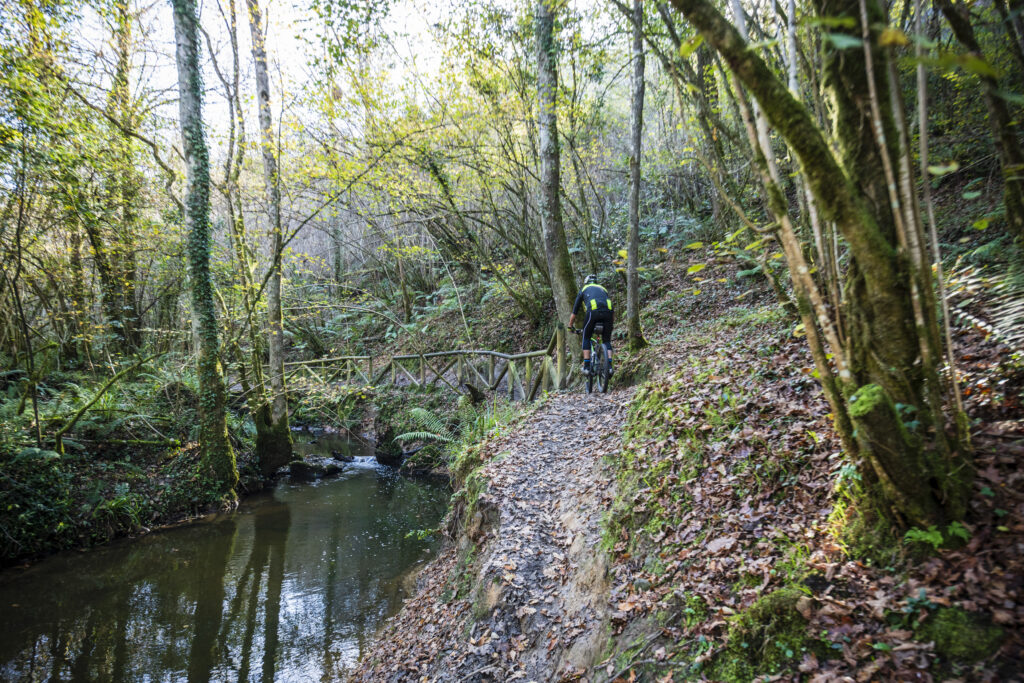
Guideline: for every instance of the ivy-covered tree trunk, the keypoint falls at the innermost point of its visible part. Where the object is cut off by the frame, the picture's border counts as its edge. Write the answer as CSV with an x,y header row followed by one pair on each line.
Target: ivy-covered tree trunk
x,y
909,465
273,437
218,458
636,127
556,251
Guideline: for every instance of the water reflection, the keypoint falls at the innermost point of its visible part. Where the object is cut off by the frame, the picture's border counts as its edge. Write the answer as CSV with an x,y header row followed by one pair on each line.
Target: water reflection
x,y
290,587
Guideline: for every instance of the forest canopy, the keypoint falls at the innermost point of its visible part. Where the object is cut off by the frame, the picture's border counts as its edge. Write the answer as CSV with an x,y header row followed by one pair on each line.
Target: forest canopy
x,y
200,198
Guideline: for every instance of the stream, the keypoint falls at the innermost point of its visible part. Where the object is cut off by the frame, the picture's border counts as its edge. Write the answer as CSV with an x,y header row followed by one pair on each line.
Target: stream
x,y
289,587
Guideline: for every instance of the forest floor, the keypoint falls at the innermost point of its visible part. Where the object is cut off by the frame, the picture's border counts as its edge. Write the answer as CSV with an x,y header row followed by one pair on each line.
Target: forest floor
x,y
693,529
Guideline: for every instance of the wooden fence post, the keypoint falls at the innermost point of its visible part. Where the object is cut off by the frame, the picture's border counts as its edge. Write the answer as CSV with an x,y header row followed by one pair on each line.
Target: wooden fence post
x,y
490,370
511,380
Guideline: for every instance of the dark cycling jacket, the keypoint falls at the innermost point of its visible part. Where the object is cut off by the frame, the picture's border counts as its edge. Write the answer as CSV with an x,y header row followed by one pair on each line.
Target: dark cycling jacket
x,y
594,298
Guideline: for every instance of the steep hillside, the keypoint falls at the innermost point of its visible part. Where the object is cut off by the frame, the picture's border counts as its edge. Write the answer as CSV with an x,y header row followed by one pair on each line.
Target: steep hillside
x,y
726,548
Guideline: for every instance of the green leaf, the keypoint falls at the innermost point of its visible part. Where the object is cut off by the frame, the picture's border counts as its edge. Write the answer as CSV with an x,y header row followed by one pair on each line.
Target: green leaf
x,y
36,454
842,41
623,253
932,536
944,170
924,41
973,194
763,44
980,224
831,22
958,530
694,245
690,46
893,36
1011,97
696,268
977,65
733,236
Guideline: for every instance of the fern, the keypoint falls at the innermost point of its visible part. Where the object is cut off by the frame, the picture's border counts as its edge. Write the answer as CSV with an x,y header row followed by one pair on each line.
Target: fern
x,y
992,300
424,436
433,428
430,421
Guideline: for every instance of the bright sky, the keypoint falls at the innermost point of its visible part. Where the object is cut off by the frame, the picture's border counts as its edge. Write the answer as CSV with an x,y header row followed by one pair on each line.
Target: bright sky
x,y
291,44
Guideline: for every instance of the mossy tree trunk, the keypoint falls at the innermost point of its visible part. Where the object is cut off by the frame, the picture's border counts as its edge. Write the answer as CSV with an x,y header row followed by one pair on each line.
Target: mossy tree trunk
x,y
889,374
636,126
114,250
556,251
274,441
218,458
126,184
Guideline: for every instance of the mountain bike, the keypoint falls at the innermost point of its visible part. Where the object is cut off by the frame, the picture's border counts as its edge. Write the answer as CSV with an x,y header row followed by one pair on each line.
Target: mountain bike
x,y
600,373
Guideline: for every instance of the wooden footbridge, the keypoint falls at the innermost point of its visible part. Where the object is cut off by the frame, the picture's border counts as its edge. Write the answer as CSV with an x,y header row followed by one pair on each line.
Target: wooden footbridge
x,y
521,376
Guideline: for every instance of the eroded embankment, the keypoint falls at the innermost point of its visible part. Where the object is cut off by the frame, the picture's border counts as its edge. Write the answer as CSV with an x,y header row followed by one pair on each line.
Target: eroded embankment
x,y
522,594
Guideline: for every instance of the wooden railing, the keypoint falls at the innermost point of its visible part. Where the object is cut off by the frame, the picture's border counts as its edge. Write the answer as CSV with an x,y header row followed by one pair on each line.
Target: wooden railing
x,y
525,375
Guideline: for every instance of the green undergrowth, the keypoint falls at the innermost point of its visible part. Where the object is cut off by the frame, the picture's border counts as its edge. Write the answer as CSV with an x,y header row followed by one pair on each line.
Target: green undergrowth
x,y
52,502
961,637
130,462
769,637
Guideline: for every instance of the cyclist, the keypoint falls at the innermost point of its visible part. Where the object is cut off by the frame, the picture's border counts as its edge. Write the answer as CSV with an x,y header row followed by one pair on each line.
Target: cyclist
x,y
594,298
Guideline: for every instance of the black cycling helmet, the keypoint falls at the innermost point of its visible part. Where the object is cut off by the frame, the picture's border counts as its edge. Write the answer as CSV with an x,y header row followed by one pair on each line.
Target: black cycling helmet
x,y
589,279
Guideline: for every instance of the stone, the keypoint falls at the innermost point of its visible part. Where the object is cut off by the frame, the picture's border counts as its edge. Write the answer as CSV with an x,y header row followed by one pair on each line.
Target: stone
x,y
313,467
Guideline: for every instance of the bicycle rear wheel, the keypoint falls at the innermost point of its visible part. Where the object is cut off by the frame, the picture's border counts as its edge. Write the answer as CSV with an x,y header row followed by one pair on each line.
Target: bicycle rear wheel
x,y
590,378
606,369
599,364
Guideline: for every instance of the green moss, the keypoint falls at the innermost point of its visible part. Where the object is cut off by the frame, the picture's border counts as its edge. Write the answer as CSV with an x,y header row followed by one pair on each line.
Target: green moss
x,y
273,442
961,636
769,637
750,317
693,609
866,399
860,526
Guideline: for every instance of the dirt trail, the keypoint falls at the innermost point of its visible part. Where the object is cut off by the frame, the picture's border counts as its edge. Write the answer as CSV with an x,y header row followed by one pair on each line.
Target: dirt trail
x,y
530,603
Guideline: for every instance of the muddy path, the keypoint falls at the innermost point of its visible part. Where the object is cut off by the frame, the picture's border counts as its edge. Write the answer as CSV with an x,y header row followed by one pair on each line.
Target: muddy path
x,y
522,594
